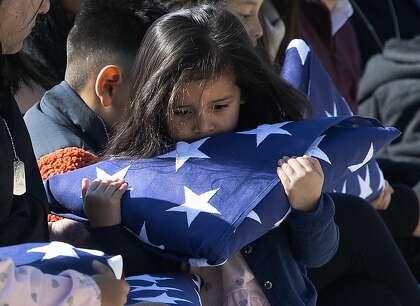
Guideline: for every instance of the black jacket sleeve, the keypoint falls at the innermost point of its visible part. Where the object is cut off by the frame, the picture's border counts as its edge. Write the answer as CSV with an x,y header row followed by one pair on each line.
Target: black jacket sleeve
x,y
138,259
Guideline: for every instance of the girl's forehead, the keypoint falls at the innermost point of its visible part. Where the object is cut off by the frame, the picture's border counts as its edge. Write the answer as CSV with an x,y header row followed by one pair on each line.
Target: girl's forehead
x,y
207,90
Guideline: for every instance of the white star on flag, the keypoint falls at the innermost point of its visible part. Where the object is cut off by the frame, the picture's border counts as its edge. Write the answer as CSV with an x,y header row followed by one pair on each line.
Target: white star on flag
x,y
381,178
195,204
345,103
197,281
277,224
344,189
265,130
153,287
365,189
148,278
334,114
254,216
55,249
315,151
163,298
184,151
102,175
145,238
301,47
368,157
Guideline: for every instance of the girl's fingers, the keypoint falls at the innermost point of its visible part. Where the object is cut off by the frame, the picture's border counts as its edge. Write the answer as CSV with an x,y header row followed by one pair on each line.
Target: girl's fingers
x,y
112,185
123,188
102,187
306,163
94,186
315,164
297,167
120,190
288,170
85,187
283,178
282,160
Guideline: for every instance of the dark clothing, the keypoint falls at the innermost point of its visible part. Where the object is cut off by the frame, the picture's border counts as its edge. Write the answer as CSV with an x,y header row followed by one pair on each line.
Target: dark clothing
x,y
138,259
402,214
400,172
22,218
390,92
357,292
379,16
339,54
367,251
279,259
61,119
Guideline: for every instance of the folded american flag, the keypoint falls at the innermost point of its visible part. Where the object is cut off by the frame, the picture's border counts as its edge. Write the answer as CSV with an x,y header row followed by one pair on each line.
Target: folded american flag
x,y
303,70
169,288
56,257
206,200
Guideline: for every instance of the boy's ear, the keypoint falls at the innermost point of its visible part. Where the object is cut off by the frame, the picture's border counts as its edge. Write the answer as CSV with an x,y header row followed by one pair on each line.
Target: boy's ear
x,y
107,81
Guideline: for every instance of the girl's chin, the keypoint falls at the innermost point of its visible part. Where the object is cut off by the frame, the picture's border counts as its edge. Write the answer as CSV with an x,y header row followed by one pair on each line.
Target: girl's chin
x,y
12,49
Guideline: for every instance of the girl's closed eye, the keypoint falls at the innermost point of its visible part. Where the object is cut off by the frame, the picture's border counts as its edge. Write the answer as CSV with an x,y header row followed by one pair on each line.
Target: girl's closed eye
x,y
183,112
220,106
245,16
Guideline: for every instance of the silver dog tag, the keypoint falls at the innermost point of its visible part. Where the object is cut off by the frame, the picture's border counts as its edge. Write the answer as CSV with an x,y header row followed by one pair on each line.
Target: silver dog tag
x,y
19,181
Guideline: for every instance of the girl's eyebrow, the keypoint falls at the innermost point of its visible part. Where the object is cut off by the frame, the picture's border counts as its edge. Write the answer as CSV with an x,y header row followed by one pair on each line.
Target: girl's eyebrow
x,y
249,2
222,99
182,105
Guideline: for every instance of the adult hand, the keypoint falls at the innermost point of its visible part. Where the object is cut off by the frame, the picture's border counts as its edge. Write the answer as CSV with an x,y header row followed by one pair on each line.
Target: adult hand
x,y
382,202
69,231
113,291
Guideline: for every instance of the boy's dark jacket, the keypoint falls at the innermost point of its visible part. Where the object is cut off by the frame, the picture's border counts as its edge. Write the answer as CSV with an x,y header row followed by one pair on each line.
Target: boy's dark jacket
x,y
61,119
22,218
390,92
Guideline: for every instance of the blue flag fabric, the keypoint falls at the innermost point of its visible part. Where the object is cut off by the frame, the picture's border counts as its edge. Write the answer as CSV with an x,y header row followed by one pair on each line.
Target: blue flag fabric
x,y
56,257
169,288
304,71
206,200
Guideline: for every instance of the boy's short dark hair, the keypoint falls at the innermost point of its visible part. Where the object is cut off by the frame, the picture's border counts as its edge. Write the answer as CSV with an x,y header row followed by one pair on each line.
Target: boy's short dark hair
x,y
173,5
107,32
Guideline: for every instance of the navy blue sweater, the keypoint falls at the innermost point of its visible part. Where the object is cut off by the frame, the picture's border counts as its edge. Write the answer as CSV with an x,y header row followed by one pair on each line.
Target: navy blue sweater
x,y
280,258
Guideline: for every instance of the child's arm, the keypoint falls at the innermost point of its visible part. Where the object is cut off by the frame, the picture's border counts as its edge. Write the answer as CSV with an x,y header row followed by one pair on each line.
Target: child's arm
x,y
314,234
29,286
103,208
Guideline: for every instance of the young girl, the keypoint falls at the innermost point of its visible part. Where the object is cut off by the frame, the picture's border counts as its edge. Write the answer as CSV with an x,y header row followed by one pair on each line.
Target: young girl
x,y
198,75
401,216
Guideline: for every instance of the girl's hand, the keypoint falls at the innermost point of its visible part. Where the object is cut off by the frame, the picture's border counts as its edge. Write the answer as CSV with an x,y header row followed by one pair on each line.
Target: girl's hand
x,y
382,202
102,201
302,179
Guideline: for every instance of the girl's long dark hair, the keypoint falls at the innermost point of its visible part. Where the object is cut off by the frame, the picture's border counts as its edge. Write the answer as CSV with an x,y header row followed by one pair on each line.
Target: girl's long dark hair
x,y
200,43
